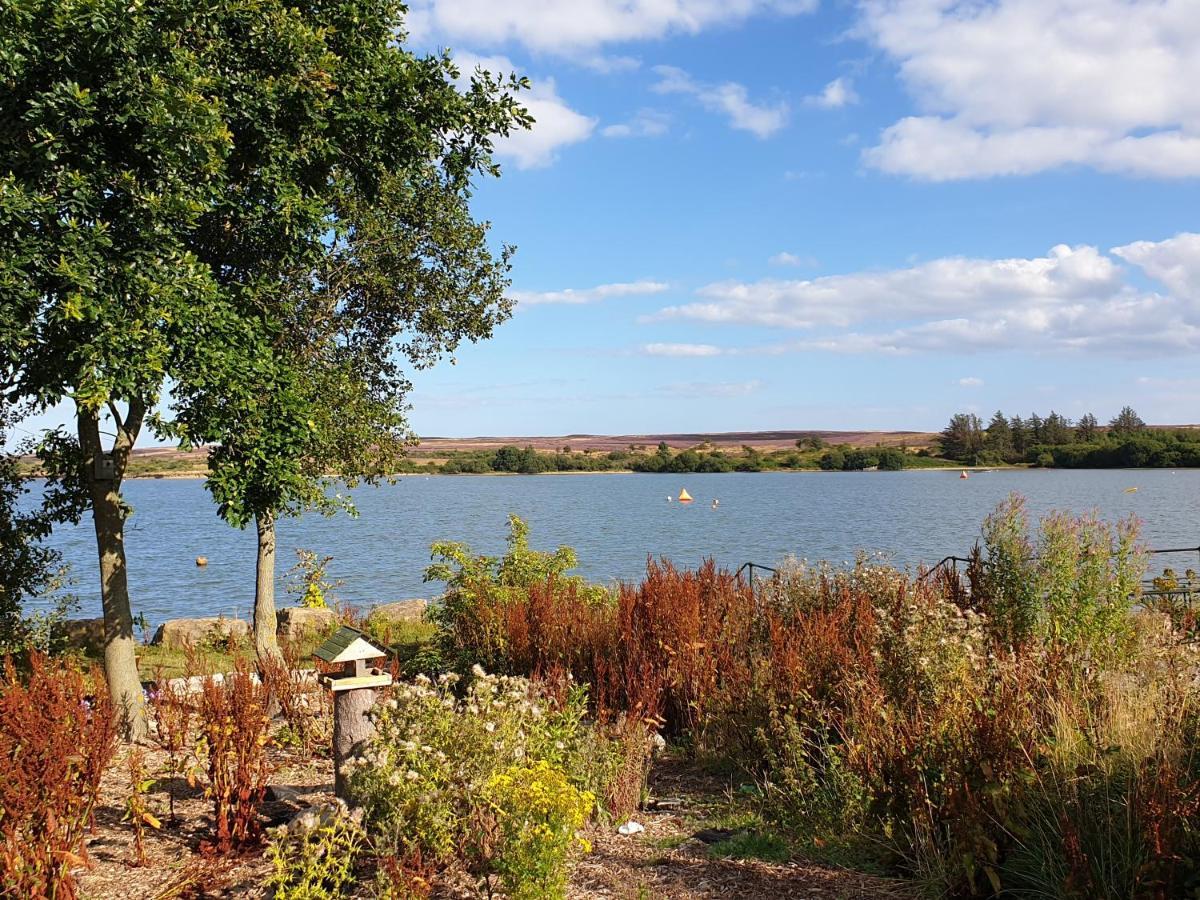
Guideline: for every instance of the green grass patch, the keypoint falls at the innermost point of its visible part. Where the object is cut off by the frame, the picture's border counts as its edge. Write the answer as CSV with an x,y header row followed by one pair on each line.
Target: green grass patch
x,y
762,845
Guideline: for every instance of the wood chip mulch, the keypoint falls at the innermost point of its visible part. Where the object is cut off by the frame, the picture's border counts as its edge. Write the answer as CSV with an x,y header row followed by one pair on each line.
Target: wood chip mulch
x,y
665,861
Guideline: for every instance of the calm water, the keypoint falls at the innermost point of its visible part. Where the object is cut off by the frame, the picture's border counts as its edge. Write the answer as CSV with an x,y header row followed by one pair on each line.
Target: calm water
x,y
613,521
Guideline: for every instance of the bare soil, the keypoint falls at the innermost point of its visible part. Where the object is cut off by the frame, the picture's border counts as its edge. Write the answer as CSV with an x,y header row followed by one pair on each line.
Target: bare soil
x,y
666,860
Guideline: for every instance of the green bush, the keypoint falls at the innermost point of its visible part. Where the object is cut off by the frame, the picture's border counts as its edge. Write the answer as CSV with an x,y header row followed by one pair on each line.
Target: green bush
x,y
465,639
313,856
430,783
537,813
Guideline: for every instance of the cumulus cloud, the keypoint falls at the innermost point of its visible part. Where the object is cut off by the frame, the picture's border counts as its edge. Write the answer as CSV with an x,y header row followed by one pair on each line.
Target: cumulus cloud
x,y
838,93
1073,298
970,382
566,27
1174,262
1012,87
729,99
581,296
791,259
556,125
681,350
647,123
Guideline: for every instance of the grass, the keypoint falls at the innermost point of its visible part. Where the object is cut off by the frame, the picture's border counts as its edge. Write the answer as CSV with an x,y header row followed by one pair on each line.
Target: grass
x,y
761,845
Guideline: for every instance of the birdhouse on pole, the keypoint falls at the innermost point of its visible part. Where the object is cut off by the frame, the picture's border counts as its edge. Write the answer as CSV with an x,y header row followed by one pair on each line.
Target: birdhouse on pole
x,y
350,647
354,691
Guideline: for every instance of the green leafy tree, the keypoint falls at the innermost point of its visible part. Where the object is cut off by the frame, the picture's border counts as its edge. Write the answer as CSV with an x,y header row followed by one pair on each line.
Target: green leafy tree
x,y
999,437
405,276
1056,429
963,438
168,173
28,567
1087,429
1020,436
1126,422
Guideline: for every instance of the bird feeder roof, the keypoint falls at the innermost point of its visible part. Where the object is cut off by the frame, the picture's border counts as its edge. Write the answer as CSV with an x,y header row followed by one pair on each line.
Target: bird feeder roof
x,y
348,645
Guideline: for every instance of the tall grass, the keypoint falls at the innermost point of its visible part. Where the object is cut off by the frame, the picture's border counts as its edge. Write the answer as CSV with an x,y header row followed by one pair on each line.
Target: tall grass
x,y
1024,731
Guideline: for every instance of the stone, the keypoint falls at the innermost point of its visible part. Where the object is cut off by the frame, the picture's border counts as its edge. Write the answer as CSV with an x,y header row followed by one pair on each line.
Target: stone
x,y
401,611
175,634
298,623
84,634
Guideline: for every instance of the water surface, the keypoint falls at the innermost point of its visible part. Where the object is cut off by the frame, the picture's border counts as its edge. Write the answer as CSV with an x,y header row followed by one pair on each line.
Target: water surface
x,y
613,521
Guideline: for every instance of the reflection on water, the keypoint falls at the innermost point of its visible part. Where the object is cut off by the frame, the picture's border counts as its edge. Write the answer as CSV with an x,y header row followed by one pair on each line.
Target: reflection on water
x,y
613,521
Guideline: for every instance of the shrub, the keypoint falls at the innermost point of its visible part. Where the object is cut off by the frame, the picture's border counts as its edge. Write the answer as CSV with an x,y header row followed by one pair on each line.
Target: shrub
x,y
483,582
538,812
173,711
313,857
423,781
57,736
298,697
233,740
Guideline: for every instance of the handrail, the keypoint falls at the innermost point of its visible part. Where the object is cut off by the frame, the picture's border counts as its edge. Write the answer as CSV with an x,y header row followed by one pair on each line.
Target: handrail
x,y
752,566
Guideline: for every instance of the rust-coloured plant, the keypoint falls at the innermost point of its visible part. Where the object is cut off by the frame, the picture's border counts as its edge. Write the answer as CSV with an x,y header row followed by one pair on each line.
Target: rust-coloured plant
x,y
137,809
174,710
57,736
233,740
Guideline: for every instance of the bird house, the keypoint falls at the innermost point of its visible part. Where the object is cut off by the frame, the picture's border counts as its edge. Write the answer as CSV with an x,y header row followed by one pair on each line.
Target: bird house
x,y
350,648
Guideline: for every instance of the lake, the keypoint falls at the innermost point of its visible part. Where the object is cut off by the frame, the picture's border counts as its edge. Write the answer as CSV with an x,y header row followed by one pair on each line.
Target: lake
x,y
613,521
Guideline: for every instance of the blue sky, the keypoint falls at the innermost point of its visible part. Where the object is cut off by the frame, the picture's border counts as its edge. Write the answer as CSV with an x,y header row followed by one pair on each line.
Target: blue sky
x,y
754,214
829,214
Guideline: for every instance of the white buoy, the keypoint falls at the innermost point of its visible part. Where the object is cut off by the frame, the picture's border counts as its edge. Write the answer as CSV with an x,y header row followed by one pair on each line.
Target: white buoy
x,y
716,503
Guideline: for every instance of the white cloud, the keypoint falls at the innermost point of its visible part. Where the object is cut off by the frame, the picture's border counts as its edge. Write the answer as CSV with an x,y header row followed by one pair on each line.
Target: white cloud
x,y
711,389
1011,87
970,382
580,296
1072,299
647,123
1175,262
563,27
729,99
683,350
838,93
556,125
791,259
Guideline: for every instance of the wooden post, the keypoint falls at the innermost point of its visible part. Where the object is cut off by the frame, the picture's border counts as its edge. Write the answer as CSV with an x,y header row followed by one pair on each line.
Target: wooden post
x,y
352,728
354,691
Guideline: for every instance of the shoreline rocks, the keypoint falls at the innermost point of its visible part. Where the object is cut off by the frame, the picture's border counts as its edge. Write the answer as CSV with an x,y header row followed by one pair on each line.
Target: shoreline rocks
x,y
175,634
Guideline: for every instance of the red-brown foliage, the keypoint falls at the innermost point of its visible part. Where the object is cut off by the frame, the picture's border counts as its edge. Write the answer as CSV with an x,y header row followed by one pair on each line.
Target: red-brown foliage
x,y
233,726
57,736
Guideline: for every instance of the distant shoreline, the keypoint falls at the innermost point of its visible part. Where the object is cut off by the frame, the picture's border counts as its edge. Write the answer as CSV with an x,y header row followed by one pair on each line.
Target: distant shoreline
x,y
196,476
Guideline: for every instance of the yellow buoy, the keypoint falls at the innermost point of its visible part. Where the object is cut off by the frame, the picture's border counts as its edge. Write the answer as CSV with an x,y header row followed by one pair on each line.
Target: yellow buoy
x,y
1131,490
685,497
202,561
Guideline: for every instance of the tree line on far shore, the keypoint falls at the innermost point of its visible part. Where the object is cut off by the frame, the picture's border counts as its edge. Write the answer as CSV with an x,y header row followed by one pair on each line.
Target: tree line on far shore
x,y
810,453
1056,441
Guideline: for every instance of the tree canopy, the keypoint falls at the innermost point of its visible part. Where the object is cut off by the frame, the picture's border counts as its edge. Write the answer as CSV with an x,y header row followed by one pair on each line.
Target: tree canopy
x,y
170,172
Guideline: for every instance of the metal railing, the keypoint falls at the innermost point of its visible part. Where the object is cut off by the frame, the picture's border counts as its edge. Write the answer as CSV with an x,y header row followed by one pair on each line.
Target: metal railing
x,y
751,566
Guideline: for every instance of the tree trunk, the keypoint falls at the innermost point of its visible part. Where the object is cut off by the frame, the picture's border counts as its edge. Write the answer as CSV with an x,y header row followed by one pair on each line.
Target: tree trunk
x,y
108,516
265,621
352,728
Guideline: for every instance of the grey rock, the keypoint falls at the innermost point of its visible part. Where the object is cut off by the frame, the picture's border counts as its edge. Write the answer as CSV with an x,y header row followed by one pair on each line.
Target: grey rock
x,y
301,622
175,634
401,611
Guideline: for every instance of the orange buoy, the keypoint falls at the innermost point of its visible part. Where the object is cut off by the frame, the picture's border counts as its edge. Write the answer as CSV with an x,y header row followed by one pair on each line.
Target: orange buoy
x,y
685,497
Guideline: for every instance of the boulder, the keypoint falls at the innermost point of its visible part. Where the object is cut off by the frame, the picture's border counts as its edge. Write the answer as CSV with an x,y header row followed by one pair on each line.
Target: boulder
x,y
175,634
298,623
401,611
83,634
